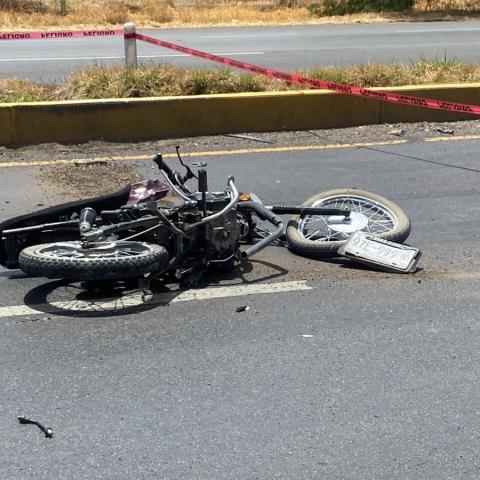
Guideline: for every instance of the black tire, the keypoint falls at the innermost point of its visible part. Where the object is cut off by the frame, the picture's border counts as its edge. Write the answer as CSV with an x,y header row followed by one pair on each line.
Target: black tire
x,y
299,244
41,260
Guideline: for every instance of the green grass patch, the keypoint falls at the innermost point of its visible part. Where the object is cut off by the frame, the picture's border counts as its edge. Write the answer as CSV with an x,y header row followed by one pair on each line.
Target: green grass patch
x,y
169,80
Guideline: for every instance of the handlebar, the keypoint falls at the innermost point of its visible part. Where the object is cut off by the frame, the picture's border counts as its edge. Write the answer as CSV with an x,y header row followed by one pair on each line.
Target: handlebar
x,y
173,178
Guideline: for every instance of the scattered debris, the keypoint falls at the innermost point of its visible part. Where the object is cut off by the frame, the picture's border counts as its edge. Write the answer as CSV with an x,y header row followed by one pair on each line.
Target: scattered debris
x,y
447,131
315,134
28,319
34,319
46,430
248,137
243,308
397,132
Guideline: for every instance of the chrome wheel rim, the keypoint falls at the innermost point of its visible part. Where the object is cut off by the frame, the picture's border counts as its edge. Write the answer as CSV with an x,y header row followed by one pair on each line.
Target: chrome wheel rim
x,y
367,216
94,250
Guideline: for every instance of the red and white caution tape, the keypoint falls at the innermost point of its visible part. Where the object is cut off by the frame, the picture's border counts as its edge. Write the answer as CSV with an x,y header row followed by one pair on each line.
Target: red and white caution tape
x,y
59,34
310,82
355,91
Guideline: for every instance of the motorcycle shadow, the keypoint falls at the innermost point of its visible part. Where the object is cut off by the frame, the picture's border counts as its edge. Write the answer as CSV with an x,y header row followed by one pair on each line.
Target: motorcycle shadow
x,y
109,299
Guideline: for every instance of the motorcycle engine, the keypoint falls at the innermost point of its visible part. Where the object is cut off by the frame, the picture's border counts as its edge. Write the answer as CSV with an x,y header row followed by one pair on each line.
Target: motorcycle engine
x,y
222,235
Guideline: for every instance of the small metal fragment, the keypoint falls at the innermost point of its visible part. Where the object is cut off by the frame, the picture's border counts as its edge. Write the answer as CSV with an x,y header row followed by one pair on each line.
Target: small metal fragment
x,y
447,131
46,430
248,137
243,308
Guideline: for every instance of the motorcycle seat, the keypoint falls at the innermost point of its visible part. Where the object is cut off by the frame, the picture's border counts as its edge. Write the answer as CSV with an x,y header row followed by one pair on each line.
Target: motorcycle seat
x,y
110,201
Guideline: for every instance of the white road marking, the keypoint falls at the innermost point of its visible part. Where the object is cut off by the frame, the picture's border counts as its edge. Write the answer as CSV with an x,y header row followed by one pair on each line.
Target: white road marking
x,y
253,35
17,310
241,290
118,57
137,299
437,30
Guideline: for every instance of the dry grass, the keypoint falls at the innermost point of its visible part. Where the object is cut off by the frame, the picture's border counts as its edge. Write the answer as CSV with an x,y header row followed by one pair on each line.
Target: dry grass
x,y
152,13
166,80
423,72
17,14
447,5
17,90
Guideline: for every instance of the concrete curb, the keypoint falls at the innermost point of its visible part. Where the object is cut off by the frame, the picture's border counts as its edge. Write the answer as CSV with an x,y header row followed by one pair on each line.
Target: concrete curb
x,y
120,120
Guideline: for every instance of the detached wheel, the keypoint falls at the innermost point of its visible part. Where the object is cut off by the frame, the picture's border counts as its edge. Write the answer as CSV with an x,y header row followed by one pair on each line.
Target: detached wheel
x,y
99,261
320,235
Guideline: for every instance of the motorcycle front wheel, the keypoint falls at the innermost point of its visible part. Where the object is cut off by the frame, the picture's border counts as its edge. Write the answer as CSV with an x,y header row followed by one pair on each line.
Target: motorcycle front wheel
x,y
320,235
97,261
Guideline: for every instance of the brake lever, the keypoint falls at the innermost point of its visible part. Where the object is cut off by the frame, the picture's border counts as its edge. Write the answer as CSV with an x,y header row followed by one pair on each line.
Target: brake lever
x,y
189,173
173,175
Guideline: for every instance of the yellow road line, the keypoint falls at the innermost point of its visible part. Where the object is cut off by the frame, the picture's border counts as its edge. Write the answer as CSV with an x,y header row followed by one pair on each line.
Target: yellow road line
x,y
450,139
242,151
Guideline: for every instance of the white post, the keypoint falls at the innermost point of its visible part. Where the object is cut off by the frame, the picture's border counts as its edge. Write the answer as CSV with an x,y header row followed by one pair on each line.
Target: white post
x,y
130,45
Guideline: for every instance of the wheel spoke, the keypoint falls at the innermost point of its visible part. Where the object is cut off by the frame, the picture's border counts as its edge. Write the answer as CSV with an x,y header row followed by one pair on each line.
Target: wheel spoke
x,y
312,234
378,219
102,251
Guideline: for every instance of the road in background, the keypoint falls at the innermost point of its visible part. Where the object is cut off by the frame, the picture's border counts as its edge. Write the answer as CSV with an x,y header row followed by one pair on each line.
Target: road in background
x,y
364,375
284,48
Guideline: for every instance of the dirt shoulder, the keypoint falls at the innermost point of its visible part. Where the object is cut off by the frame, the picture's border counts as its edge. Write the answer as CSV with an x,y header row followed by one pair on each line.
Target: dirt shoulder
x,y
238,17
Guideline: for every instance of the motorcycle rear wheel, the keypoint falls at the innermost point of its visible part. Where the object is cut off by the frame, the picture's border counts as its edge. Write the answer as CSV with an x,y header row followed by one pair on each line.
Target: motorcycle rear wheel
x,y
317,235
99,261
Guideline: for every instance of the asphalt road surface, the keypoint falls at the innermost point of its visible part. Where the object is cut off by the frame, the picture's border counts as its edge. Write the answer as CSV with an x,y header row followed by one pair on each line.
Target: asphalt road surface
x,y
285,48
333,373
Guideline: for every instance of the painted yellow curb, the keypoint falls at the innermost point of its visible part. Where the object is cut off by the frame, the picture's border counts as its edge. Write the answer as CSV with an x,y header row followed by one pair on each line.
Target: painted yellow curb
x,y
169,117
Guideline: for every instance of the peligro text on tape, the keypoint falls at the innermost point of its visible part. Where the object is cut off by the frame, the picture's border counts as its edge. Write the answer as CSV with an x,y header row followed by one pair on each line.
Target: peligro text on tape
x,y
384,96
59,34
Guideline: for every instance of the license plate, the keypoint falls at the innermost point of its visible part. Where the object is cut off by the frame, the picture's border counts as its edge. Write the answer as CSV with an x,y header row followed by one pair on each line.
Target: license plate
x,y
381,254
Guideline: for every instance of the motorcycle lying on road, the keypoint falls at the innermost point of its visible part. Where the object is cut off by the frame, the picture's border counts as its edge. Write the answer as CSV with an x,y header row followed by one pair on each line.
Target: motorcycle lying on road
x,y
152,228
